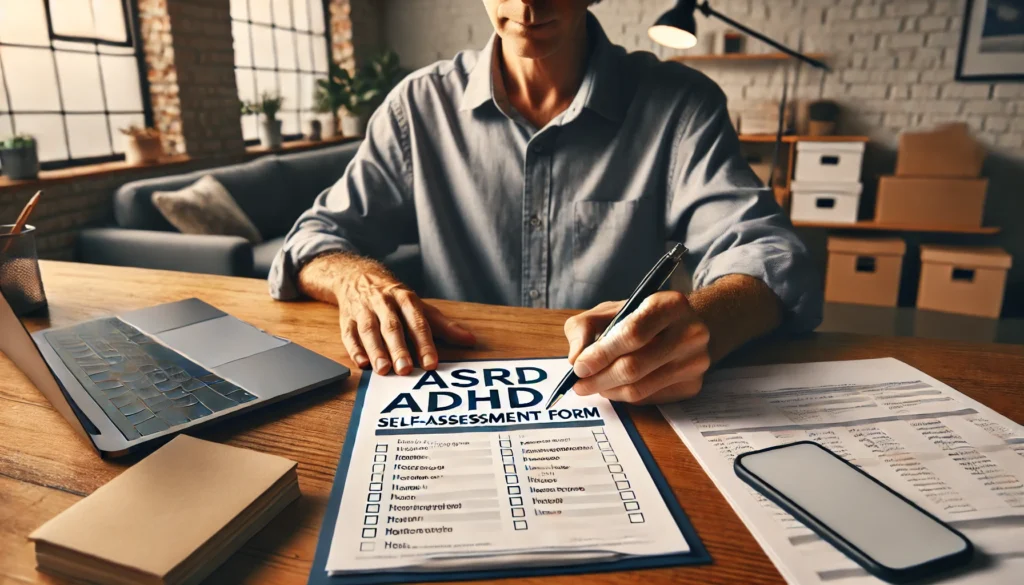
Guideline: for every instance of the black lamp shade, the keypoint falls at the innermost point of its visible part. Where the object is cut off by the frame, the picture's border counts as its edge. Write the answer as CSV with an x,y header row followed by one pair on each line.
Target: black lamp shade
x,y
676,28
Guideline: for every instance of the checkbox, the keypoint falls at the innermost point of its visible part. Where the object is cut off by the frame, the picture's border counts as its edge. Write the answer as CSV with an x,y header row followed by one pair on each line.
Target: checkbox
x,y
627,495
518,512
366,547
372,508
616,468
506,444
376,487
636,518
622,485
631,505
369,520
380,459
506,452
604,445
516,501
378,468
601,436
369,533
508,459
519,524
514,490
510,469
382,448
511,479
373,498
376,477
610,457
618,477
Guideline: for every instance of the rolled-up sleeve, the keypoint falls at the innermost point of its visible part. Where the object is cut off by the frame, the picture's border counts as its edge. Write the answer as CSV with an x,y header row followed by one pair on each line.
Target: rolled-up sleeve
x,y
366,212
730,222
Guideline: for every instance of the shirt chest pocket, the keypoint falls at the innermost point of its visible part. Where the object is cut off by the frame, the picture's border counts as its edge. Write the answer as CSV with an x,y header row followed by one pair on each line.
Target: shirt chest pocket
x,y
614,242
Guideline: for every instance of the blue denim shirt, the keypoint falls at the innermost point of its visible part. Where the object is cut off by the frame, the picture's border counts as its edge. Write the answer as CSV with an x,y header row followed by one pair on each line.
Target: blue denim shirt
x,y
563,216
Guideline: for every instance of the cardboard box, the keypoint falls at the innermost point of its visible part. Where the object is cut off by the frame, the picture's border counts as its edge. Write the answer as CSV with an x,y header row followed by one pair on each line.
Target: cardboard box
x,y
864,271
947,151
931,202
825,202
964,280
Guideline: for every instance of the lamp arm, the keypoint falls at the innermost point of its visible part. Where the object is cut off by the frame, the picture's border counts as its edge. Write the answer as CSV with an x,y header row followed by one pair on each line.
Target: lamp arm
x,y
707,10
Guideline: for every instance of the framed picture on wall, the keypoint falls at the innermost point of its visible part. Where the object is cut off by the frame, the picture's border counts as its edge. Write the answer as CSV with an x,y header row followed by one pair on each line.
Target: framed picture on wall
x,y
992,41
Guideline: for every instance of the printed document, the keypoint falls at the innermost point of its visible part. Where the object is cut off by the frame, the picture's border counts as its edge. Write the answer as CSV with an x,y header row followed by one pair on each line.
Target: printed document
x,y
951,455
464,468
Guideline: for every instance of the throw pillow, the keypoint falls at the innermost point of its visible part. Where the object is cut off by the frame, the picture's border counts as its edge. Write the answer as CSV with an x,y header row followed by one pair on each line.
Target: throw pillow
x,y
205,207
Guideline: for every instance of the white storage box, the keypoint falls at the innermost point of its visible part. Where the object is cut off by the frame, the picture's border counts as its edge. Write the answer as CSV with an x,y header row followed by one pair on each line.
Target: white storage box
x,y
825,202
832,162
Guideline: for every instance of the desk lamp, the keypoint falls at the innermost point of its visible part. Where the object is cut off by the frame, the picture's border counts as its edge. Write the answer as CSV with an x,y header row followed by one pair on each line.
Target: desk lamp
x,y
677,29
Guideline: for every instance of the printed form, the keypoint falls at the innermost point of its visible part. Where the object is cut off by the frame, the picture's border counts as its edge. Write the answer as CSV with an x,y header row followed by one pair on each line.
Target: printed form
x,y
464,468
951,455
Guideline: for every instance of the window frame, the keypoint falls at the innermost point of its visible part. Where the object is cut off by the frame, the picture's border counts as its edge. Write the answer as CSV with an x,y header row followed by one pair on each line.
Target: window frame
x,y
134,39
327,36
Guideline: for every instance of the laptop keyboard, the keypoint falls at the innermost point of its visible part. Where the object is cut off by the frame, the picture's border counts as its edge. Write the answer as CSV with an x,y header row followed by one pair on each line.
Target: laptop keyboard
x,y
143,386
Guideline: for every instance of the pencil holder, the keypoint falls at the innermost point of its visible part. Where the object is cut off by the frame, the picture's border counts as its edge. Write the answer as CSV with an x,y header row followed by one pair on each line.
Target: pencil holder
x,y
20,279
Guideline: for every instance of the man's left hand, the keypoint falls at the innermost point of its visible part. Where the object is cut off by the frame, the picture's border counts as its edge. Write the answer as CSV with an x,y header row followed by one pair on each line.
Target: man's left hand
x,y
657,354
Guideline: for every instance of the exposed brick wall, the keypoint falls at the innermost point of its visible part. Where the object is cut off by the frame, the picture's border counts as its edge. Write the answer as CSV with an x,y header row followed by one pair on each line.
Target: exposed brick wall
x,y
894,59
894,64
67,207
356,33
205,62
155,25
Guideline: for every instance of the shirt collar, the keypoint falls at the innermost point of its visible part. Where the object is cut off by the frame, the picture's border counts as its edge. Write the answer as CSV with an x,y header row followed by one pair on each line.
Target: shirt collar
x,y
600,90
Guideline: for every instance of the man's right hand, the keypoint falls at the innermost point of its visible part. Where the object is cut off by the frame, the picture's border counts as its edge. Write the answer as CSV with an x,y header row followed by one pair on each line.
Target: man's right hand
x,y
378,313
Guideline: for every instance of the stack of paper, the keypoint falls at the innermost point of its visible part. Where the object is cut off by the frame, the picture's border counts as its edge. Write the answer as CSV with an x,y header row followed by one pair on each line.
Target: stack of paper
x,y
172,518
949,454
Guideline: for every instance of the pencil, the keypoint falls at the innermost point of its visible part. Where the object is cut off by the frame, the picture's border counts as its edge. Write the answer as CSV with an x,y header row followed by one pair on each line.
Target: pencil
x,y
19,224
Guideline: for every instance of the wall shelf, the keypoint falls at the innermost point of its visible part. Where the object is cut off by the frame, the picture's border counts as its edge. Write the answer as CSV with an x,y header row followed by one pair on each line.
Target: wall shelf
x,y
869,225
741,57
790,138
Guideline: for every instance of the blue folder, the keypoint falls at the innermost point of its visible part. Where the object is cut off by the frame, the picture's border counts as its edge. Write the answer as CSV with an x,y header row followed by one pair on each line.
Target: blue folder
x,y
697,555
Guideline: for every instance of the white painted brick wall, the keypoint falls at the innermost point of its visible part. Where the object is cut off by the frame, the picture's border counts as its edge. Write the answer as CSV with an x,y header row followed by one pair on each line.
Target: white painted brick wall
x,y
894,60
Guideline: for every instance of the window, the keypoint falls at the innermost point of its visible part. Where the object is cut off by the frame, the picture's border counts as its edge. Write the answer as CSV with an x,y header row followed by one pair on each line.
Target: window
x,y
70,76
280,47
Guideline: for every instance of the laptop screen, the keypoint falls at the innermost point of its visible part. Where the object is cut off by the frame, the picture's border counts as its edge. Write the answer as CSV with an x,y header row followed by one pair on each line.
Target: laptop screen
x,y
20,348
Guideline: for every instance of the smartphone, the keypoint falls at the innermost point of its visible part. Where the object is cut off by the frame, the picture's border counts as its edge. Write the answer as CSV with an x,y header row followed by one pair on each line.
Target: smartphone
x,y
887,534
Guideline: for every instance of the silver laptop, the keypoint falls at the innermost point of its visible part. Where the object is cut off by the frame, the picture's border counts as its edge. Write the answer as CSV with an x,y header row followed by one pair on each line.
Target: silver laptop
x,y
142,376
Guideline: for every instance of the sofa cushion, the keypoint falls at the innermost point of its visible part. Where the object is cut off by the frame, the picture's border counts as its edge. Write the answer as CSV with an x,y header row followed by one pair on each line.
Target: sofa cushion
x,y
258,187
263,256
205,207
313,171
262,192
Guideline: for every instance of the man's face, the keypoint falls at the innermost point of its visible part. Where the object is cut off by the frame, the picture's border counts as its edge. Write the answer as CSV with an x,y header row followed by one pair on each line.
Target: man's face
x,y
535,28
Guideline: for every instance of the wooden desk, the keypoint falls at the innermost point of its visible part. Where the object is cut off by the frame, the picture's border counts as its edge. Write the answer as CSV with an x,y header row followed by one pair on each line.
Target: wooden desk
x,y
45,467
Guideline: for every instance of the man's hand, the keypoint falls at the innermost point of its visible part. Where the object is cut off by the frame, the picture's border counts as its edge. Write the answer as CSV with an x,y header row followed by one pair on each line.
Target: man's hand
x,y
657,354
377,314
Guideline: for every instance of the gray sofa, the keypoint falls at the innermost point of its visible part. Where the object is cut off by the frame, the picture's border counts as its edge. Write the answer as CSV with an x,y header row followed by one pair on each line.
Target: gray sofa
x,y
272,190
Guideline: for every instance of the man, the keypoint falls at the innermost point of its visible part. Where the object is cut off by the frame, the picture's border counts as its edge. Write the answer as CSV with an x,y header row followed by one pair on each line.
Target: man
x,y
548,170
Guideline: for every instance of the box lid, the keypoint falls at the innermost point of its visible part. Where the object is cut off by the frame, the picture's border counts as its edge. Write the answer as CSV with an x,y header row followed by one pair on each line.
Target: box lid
x,y
867,246
809,146
969,256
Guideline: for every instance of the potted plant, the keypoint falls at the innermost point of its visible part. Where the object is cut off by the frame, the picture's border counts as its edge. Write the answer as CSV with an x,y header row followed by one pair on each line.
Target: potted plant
x,y
357,95
19,157
270,127
331,95
824,115
141,145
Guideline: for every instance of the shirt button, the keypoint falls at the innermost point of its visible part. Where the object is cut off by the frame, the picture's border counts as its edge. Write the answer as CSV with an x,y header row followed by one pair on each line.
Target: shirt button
x,y
534,221
535,294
